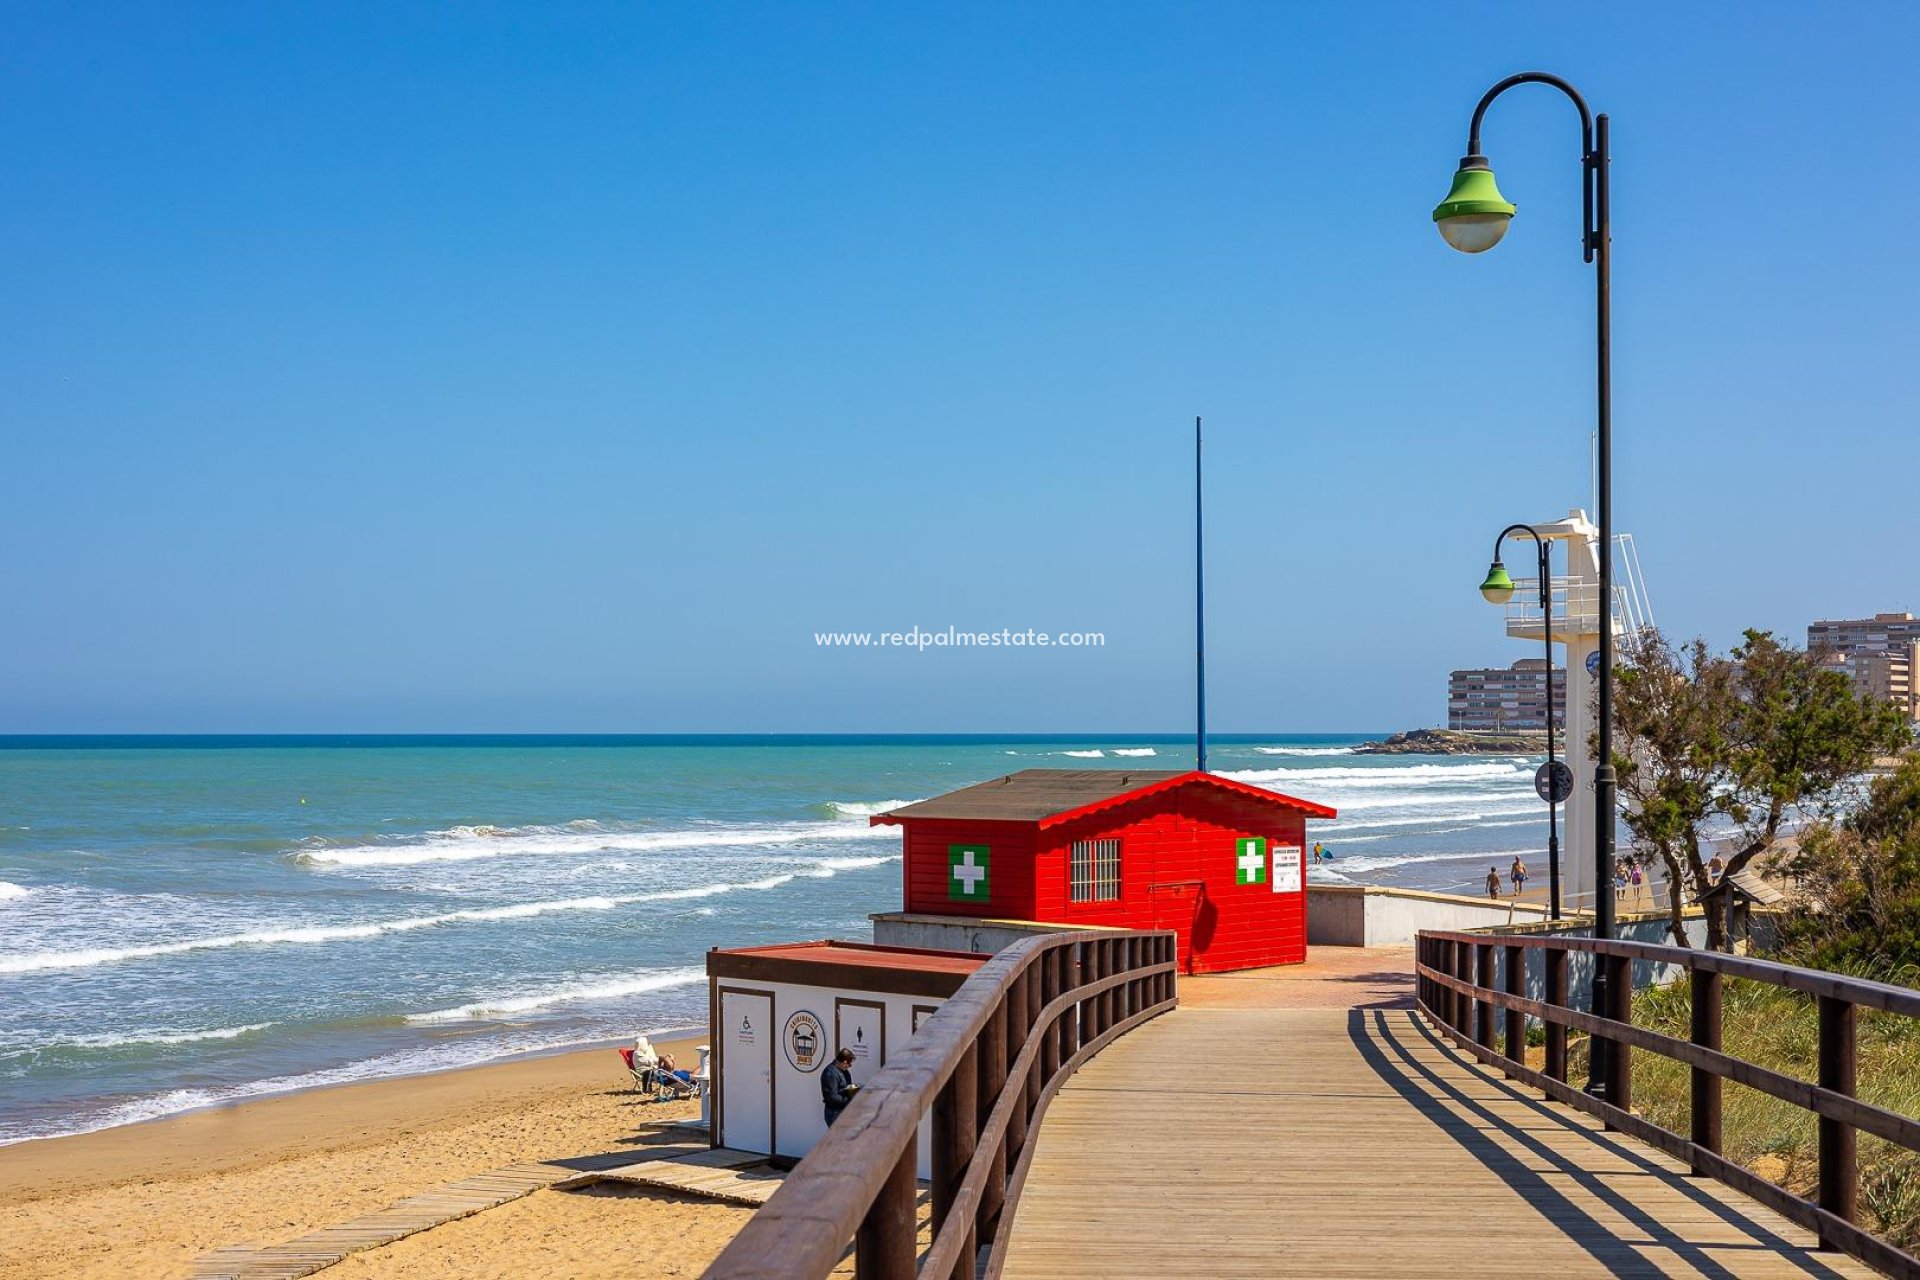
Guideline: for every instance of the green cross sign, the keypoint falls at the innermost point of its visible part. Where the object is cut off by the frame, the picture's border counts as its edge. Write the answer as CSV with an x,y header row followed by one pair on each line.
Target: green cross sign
x,y
1250,860
967,873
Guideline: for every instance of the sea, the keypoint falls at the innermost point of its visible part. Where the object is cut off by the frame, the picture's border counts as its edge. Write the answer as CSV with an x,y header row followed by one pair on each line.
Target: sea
x,y
185,922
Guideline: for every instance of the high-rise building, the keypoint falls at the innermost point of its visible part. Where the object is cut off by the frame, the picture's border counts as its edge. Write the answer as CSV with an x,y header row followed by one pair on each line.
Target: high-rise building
x,y
1505,697
1881,655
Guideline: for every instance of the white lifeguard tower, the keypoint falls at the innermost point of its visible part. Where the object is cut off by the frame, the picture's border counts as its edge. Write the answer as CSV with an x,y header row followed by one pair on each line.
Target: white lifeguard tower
x,y
1575,624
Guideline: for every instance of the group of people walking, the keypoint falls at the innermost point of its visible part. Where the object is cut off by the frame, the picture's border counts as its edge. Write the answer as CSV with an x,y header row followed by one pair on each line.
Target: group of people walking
x,y
1517,873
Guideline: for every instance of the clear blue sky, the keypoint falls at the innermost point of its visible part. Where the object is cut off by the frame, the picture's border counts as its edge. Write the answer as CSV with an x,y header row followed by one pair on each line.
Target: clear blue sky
x,y
565,368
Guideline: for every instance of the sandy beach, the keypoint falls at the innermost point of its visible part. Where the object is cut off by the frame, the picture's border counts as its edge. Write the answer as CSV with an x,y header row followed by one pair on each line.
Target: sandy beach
x,y
148,1199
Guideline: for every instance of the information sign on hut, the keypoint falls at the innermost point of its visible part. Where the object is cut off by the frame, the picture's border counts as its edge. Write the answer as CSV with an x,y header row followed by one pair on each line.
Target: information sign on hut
x,y
1219,862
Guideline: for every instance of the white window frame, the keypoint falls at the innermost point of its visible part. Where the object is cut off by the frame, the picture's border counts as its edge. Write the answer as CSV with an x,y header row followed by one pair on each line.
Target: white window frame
x,y
1093,871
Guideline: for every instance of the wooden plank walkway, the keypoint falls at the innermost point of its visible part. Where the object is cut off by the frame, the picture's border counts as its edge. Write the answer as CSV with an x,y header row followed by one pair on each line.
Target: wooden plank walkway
x,y
732,1177
1330,1143
319,1249
715,1173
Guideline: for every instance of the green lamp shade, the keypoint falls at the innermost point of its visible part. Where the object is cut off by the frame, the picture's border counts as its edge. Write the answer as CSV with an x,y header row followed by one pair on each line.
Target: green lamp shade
x,y
1474,215
1498,588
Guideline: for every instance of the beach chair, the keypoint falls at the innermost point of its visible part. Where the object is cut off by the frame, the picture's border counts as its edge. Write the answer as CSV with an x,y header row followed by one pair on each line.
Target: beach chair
x,y
646,1074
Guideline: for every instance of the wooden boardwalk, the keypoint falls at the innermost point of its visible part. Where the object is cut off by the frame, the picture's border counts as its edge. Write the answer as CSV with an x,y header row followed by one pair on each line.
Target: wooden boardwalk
x,y
734,1177
1328,1142
320,1249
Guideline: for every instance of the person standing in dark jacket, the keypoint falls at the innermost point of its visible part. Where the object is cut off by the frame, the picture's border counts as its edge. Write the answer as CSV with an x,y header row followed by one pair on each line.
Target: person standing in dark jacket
x,y
836,1084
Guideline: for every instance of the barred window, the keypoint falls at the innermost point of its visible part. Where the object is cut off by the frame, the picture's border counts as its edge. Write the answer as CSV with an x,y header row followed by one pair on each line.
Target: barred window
x,y
1096,871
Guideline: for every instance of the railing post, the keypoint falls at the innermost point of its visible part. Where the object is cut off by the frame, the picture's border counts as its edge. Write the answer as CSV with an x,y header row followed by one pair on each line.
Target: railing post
x,y
956,1132
993,1078
1036,1002
885,1247
1705,1109
1556,995
1516,1021
1483,954
1090,1007
1839,1182
1050,1033
1619,1053
1072,970
1016,1007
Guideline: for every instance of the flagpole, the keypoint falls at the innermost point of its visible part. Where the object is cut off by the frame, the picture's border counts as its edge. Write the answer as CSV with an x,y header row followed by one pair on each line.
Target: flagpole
x,y
1199,614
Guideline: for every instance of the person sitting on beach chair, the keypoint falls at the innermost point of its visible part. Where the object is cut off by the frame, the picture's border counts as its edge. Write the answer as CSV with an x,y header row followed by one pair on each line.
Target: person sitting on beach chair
x,y
645,1071
675,1082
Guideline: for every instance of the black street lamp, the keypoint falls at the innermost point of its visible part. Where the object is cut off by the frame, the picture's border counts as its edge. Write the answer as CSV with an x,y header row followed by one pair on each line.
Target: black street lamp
x,y
1473,218
1498,589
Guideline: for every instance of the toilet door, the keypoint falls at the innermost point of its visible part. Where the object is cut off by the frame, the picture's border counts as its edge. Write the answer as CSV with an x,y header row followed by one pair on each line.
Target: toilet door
x,y
745,1121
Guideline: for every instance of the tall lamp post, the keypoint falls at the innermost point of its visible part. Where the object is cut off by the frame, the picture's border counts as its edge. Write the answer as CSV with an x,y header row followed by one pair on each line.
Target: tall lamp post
x,y
1472,219
1498,589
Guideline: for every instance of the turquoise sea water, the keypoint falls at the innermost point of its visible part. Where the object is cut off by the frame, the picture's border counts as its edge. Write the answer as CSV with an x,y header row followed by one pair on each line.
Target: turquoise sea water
x,y
190,921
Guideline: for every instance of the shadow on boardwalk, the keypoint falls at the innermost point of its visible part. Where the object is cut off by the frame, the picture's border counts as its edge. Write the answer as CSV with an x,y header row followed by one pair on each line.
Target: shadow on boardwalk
x,y
1227,1140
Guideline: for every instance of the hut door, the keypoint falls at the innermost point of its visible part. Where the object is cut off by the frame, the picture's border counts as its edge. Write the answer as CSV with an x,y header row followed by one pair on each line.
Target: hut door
x,y
746,1069
1176,906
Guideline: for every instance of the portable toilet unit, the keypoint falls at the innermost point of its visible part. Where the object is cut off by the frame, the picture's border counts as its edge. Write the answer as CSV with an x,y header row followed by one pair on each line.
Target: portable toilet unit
x,y
1219,862
779,1014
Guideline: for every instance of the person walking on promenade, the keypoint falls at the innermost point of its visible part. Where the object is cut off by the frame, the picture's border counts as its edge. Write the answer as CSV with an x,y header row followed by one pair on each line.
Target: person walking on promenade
x,y
1493,882
836,1084
1518,872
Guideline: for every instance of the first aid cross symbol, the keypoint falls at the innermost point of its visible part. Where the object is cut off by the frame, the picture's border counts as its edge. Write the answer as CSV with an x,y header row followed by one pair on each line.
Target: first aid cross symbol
x,y
967,873
1250,861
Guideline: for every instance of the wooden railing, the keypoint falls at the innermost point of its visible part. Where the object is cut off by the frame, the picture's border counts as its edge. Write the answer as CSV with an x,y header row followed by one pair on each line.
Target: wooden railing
x,y
1457,990
985,1066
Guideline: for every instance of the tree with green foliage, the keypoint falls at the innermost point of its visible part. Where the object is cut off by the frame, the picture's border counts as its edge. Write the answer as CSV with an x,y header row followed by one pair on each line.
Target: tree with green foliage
x,y
1862,876
1669,718
1758,740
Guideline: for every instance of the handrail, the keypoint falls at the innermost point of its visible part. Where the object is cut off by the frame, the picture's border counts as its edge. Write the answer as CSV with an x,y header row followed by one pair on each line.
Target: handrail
x,y
1454,981
985,1066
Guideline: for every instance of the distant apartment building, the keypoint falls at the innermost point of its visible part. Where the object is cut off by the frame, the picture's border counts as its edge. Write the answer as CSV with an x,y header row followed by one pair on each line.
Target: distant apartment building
x,y
1881,655
1512,697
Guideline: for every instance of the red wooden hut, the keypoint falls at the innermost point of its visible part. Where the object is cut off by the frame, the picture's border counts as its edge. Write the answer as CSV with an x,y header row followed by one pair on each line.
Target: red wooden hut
x,y
1220,862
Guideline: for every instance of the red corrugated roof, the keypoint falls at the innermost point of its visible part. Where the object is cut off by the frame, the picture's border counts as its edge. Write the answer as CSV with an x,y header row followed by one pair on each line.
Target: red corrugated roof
x,y
1049,797
834,951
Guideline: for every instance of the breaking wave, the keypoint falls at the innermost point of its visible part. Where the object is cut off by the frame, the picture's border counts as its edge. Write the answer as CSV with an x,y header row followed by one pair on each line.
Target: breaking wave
x,y
506,1006
311,934
1085,755
466,843
865,809
8,889
1303,751
1387,776
119,1040
1135,751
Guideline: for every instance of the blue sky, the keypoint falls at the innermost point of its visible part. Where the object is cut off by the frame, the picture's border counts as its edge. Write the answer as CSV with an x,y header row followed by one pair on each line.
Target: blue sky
x,y
567,367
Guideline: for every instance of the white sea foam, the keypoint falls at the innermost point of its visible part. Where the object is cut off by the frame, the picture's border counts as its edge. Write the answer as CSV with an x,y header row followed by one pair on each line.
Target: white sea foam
x,y
9,890
118,1040
415,1061
1304,751
1402,860
824,868
866,809
1385,776
89,958
462,844
1135,751
505,1006
1084,755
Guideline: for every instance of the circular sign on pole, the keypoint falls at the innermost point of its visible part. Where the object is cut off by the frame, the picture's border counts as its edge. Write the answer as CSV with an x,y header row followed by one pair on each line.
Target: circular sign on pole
x,y
1553,781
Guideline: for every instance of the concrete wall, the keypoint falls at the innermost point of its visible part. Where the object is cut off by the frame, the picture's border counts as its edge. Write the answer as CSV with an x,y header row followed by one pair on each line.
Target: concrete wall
x,y
1361,915
960,933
